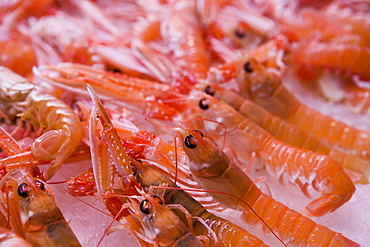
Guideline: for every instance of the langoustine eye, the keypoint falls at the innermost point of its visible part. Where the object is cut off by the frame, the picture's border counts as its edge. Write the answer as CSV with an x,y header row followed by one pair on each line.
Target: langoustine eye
x,y
40,185
146,207
248,67
190,142
209,90
23,190
203,104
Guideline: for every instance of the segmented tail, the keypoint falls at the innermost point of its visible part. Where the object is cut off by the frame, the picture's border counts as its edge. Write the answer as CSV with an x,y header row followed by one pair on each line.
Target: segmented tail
x,y
309,168
228,234
292,226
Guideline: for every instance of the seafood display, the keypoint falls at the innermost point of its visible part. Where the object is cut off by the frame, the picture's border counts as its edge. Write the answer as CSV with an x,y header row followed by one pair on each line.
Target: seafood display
x,y
184,122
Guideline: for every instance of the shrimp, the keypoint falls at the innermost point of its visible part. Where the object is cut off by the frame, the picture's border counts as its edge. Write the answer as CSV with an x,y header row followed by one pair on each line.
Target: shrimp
x,y
181,30
34,214
63,44
267,52
290,133
358,21
211,168
133,93
240,14
346,58
303,167
278,164
273,96
227,233
17,55
161,226
61,126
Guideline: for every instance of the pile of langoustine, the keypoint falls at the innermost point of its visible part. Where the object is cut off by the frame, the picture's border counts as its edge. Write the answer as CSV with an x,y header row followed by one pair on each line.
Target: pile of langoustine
x,y
219,75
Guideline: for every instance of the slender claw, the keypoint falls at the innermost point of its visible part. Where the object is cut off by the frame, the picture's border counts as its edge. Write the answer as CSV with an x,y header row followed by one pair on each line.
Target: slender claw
x,y
111,144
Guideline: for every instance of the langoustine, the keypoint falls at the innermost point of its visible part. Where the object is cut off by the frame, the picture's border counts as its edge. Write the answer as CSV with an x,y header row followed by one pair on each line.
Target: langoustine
x,y
33,212
211,167
227,233
45,112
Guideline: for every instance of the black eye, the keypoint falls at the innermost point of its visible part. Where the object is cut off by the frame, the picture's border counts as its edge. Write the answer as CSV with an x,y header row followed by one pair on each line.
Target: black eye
x,y
189,142
23,190
203,104
238,33
248,67
199,132
40,185
146,207
209,90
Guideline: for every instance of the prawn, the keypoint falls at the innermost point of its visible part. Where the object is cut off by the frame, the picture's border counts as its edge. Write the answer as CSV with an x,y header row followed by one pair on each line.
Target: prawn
x,y
303,167
345,58
162,226
212,168
181,29
357,20
17,55
274,97
33,212
61,126
289,133
227,233
133,93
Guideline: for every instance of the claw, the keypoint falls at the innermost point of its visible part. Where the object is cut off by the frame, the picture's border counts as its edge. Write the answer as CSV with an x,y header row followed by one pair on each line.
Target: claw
x,y
110,148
